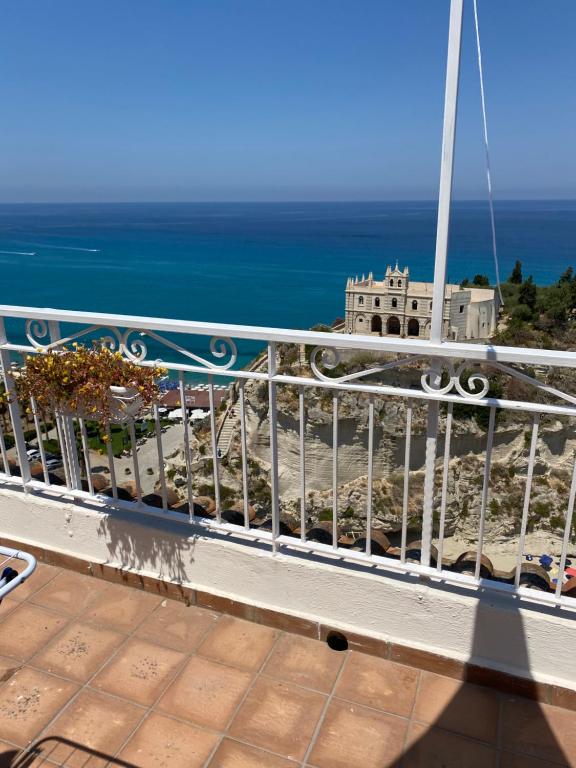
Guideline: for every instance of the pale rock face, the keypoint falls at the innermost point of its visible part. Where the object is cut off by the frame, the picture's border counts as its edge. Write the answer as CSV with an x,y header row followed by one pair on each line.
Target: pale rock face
x,y
508,477
551,477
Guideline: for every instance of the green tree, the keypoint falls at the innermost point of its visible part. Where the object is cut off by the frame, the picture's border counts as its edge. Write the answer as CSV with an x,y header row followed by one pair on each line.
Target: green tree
x,y
516,275
522,313
528,293
557,301
465,283
481,281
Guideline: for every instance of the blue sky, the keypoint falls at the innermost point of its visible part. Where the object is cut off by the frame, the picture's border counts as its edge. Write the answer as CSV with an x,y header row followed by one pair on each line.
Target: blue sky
x,y
268,100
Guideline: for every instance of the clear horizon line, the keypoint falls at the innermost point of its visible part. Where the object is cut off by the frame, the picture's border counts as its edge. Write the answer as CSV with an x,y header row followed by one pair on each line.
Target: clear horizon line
x,y
290,201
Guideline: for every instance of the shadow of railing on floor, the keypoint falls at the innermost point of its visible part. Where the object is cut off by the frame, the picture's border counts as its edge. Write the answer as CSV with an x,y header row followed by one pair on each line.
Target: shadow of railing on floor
x,y
57,750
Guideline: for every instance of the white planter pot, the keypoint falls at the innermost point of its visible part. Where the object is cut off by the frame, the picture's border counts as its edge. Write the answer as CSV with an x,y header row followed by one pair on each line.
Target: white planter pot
x,y
126,403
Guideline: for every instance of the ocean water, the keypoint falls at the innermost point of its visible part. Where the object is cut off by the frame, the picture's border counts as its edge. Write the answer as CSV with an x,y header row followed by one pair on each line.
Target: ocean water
x,y
281,264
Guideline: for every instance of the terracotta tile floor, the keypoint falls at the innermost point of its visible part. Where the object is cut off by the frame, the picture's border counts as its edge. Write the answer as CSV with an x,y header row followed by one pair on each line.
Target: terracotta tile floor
x,y
95,674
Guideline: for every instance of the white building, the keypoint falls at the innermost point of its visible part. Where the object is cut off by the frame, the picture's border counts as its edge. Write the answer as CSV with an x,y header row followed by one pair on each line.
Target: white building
x,y
398,306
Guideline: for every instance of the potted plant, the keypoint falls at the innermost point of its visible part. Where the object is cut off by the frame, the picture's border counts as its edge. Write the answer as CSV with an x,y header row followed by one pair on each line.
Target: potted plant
x,y
93,383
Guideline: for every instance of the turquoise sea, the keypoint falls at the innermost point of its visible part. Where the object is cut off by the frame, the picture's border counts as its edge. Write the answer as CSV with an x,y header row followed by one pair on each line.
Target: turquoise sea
x,y
281,264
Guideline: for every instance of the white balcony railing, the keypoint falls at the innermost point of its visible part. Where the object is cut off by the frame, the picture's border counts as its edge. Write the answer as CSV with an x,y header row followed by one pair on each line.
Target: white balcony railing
x,y
398,373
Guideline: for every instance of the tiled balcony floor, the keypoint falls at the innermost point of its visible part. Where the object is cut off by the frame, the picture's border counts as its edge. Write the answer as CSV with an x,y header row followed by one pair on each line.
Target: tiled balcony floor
x,y
98,674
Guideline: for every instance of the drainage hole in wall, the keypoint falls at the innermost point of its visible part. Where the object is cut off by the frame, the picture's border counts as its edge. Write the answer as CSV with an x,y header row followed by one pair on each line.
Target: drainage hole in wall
x,y
337,641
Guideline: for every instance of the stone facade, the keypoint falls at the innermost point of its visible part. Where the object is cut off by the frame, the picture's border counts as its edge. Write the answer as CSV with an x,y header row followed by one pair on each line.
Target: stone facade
x,y
397,306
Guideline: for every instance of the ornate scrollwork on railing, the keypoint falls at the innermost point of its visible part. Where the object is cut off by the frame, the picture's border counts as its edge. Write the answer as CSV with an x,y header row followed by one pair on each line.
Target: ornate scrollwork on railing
x,y
448,378
475,387
134,349
132,345
221,347
36,330
330,359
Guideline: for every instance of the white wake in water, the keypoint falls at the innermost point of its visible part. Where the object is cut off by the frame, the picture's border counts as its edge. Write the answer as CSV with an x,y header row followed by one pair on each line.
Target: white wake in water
x,y
63,247
20,253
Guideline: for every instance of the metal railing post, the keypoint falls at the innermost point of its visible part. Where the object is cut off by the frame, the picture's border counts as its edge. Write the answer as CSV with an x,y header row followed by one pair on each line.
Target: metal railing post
x,y
14,408
442,233
272,412
68,434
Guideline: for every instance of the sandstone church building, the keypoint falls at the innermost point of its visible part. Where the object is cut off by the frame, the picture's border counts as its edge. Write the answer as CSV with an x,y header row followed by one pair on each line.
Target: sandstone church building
x,y
397,306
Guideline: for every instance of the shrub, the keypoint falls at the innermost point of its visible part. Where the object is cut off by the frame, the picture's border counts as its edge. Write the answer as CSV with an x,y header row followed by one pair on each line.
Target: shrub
x,y
540,510
51,446
556,521
79,380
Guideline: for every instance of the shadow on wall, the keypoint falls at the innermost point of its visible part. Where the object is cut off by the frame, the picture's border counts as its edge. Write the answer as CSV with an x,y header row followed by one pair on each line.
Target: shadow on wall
x,y
515,724
155,547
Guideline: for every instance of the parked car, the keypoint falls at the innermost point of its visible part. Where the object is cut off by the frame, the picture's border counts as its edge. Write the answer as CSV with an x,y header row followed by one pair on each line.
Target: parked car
x,y
53,463
33,454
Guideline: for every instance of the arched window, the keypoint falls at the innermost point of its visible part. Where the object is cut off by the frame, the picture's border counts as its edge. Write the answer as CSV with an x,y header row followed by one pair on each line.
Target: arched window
x,y
360,299
376,302
391,283
430,305
394,303
399,283
414,304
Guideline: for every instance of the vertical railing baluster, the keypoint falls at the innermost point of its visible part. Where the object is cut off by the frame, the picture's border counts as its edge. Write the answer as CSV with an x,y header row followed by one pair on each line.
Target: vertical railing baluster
x,y
3,453
335,472
38,429
72,450
406,488
63,448
111,465
188,460
14,407
444,496
86,451
567,532
244,454
135,463
429,472
485,489
302,414
370,475
527,492
75,481
274,489
160,452
214,439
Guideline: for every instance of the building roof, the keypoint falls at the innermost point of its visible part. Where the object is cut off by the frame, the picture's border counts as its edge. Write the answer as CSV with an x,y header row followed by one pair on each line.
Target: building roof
x,y
416,288
195,398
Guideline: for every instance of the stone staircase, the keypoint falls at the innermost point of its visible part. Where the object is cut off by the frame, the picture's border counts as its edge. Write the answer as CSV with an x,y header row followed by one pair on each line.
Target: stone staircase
x,y
226,433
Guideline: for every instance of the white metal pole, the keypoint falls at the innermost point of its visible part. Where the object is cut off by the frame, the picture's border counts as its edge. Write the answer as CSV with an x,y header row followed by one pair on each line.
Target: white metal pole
x,y
446,168
441,257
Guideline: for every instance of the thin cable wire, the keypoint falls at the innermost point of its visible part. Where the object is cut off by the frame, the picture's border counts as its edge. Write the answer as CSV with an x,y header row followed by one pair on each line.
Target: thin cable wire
x,y
487,150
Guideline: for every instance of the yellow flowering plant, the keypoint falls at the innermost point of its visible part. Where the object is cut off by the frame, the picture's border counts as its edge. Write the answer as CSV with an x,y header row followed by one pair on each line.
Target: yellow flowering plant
x,y
87,381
